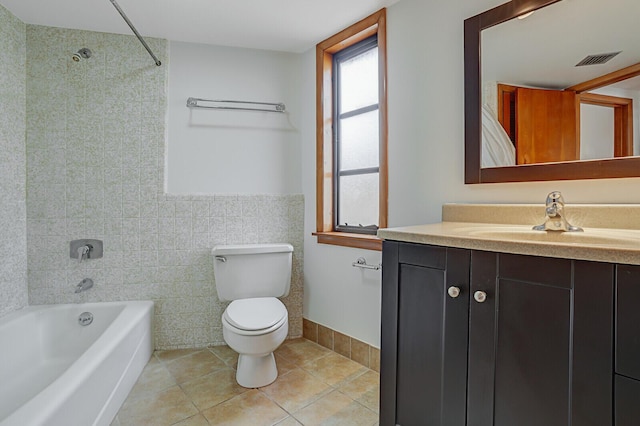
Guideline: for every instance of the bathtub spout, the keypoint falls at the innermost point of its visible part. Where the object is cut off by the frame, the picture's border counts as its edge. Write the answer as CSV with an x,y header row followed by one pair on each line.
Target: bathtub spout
x,y
85,284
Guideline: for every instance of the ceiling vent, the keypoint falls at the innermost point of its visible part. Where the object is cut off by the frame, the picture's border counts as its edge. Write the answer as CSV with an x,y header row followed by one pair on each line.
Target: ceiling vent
x,y
600,58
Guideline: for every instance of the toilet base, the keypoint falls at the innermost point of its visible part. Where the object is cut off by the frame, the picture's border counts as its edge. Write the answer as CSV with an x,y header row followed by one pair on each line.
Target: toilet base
x,y
256,371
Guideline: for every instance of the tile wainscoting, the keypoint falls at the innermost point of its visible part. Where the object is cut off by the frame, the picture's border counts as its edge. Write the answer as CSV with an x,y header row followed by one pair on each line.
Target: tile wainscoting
x,y
95,153
347,346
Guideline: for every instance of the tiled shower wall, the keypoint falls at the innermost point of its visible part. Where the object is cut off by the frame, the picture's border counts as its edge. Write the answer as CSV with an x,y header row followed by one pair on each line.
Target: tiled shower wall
x,y
95,151
13,231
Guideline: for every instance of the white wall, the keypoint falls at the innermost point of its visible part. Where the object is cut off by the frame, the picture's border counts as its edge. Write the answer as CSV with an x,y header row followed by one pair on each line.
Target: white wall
x,y
596,132
212,151
426,158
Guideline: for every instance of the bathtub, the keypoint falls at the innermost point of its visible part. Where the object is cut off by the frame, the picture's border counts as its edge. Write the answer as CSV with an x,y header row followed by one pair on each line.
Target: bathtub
x,y
54,371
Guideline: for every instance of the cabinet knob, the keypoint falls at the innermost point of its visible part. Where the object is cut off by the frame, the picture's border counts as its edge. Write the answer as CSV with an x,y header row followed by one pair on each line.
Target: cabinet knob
x,y
480,296
454,291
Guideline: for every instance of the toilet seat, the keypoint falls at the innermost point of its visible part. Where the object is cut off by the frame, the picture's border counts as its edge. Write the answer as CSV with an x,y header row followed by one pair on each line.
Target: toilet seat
x,y
255,315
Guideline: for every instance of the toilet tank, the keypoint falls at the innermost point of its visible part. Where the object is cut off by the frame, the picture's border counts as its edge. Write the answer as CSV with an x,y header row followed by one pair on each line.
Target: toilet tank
x,y
252,270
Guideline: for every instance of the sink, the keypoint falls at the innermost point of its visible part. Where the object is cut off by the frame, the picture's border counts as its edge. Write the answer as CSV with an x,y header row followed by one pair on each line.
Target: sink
x,y
590,237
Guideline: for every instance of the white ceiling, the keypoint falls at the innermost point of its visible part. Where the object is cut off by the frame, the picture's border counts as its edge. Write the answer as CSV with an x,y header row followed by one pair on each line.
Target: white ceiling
x,y
543,49
282,25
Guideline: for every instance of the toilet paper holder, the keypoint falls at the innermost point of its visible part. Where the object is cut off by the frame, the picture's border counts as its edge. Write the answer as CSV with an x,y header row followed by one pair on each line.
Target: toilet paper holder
x,y
361,262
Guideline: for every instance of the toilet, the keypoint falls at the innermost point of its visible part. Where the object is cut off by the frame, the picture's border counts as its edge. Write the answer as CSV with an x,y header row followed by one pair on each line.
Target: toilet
x,y
255,323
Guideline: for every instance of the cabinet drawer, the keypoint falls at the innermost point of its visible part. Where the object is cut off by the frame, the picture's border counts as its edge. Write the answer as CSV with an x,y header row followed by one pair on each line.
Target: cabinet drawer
x,y
627,404
628,321
423,255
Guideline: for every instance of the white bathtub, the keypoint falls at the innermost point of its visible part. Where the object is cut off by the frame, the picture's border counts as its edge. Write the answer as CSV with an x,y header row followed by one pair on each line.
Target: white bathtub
x,y
54,371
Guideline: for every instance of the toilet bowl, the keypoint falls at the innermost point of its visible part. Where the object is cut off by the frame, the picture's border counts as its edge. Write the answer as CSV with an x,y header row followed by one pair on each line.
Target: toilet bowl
x,y
255,328
256,322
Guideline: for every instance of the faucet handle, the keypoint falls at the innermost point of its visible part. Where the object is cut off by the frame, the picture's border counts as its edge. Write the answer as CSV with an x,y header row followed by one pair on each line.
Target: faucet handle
x,y
555,197
85,249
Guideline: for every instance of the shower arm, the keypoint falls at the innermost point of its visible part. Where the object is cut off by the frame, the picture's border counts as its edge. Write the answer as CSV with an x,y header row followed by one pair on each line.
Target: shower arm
x,y
144,43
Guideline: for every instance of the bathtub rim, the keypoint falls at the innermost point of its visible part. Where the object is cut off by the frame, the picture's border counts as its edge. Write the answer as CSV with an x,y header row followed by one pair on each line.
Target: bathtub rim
x,y
62,388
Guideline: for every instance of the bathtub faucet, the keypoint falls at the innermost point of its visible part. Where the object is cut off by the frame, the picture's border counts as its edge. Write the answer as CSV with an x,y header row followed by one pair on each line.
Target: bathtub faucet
x,y
85,284
83,252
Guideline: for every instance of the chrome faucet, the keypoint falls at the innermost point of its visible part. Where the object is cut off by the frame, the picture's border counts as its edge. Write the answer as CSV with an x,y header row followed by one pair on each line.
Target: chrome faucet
x,y
83,252
85,284
555,215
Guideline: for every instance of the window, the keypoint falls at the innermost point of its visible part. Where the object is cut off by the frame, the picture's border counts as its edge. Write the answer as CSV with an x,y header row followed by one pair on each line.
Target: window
x,y
352,135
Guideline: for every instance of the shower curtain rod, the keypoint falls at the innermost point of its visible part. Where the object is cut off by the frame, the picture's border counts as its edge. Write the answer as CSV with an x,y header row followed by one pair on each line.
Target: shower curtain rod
x,y
236,105
144,43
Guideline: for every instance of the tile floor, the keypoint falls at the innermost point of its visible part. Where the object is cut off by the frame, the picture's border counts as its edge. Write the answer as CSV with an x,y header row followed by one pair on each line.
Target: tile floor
x,y
194,387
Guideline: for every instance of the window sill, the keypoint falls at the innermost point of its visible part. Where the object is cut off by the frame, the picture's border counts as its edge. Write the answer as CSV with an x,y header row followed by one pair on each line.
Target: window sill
x,y
363,241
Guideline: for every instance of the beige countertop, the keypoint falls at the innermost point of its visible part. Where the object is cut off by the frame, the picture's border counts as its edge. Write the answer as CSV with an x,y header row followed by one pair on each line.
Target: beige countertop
x,y
611,232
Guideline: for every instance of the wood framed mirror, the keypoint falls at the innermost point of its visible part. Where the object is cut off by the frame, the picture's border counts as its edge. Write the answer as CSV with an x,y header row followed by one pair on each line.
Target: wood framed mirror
x,y
623,161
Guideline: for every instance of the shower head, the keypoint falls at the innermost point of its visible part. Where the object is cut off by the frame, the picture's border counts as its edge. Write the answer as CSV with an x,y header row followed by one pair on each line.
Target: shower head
x,y
82,53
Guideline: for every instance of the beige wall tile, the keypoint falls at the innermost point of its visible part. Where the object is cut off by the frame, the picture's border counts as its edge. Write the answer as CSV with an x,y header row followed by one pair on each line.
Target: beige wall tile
x,y
342,344
374,362
310,330
360,352
325,336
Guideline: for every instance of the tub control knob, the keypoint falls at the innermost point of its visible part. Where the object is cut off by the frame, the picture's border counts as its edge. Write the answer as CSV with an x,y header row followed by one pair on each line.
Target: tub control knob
x,y
454,291
480,296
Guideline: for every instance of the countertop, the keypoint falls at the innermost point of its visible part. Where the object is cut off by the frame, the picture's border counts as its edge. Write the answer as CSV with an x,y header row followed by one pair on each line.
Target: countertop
x,y
472,226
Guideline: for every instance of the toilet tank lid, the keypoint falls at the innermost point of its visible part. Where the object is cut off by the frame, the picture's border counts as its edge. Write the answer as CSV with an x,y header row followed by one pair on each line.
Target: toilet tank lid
x,y
221,250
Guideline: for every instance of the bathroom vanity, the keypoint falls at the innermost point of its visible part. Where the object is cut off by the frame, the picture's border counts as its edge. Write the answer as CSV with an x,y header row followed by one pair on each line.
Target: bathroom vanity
x,y
495,324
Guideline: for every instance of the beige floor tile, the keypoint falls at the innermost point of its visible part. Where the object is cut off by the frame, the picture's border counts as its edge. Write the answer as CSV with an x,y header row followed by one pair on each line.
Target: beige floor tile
x,y
226,354
163,408
295,390
154,378
365,389
284,365
315,386
174,354
333,368
300,351
194,365
336,409
197,420
289,421
212,389
252,408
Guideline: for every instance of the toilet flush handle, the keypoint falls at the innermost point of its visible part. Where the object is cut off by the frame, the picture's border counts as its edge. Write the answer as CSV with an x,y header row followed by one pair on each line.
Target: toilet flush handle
x,y
221,259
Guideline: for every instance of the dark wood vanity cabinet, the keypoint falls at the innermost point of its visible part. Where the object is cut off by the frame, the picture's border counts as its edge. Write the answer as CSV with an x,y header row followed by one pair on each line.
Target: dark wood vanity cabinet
x,y
424,340
627,346
527,341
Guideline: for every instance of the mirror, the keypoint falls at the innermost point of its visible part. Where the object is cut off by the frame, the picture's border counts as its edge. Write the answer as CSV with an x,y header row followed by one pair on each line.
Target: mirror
x,y
589,128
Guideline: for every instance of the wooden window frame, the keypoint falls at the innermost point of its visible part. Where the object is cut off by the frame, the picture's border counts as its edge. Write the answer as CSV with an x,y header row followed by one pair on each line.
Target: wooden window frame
x,y
373,24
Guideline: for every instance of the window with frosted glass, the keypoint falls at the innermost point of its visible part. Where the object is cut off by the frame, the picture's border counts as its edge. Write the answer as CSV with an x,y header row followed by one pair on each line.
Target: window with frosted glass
x,y
356,138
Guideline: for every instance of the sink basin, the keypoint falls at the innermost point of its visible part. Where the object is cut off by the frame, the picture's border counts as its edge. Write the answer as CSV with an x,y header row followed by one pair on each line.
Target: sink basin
x,y
590,237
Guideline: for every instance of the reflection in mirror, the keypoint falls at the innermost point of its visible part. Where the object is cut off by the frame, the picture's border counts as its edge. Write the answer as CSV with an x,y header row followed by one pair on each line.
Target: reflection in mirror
x,y
529,71
531,113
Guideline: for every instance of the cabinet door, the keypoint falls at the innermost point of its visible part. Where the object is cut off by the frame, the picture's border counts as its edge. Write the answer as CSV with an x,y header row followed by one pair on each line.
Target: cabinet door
x,y
540,343
627,401
628,322
424,335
